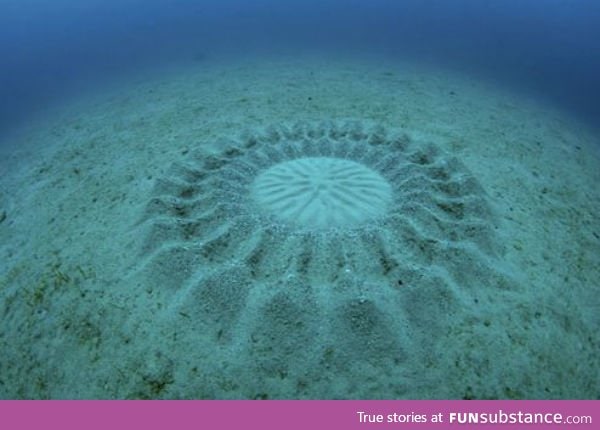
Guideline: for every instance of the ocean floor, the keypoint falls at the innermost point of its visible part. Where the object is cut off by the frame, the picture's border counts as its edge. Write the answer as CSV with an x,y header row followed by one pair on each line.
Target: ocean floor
x,y
308,228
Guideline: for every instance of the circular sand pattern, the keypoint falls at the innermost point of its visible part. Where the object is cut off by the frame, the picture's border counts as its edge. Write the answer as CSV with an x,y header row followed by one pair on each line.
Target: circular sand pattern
x,y
334,247
322,192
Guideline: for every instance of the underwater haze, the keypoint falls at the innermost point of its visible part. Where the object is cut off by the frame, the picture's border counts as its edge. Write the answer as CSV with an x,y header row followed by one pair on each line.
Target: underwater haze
x,y
313,199
49,50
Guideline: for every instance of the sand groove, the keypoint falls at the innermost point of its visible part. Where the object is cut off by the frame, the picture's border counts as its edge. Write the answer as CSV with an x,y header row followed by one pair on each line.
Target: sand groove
x,y
342,223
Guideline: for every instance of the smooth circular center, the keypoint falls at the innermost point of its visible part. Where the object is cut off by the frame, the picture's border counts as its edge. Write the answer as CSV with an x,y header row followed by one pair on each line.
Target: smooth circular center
x,y
322,192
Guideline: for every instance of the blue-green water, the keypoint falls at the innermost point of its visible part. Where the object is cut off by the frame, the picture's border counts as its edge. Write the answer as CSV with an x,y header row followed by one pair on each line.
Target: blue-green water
x,y
268,200
51,49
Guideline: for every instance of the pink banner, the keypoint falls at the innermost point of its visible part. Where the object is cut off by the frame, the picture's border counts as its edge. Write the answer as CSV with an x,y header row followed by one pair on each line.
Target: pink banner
x,y
347,415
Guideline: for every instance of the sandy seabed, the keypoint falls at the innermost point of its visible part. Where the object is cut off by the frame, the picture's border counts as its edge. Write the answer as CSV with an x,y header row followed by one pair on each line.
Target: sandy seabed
x,y
134,265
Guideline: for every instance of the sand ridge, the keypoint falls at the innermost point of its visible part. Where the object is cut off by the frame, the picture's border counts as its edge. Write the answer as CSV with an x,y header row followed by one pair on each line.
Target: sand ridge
x,y
81,319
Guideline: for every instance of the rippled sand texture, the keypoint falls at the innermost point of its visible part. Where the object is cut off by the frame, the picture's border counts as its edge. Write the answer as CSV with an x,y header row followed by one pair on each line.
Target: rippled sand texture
x,y
302,230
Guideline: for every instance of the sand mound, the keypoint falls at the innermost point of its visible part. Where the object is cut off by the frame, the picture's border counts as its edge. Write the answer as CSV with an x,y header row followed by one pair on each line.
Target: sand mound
x,y
339,243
